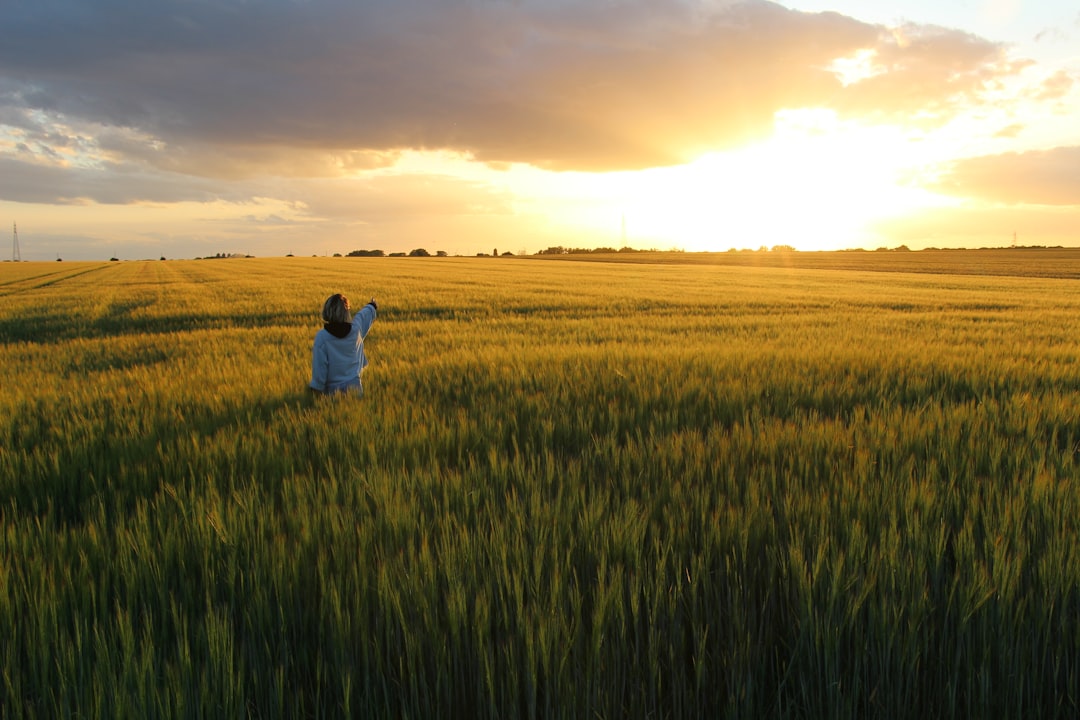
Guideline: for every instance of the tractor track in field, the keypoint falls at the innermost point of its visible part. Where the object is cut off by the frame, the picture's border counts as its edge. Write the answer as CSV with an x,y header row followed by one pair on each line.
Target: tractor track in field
x,y
36,282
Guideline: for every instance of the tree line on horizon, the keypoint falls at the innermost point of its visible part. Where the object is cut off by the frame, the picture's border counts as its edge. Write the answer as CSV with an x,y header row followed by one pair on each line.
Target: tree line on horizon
x,y
562,250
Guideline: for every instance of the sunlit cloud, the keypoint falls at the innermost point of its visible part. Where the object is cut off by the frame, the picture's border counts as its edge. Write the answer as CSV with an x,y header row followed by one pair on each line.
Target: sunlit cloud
x,y
211,87
1056,87
385,122
1047,177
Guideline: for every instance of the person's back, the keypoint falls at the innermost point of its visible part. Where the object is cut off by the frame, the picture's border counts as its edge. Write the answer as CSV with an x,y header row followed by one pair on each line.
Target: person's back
x,y
337,357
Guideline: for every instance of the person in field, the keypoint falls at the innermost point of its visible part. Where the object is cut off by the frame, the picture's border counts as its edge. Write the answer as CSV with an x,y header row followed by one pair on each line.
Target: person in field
x,y
337,358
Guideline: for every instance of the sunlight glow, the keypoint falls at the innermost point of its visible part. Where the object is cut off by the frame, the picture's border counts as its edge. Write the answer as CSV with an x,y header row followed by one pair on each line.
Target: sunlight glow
x,y
818,184
855,68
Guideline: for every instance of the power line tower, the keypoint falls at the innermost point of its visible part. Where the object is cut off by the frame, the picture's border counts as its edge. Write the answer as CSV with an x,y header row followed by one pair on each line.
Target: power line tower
x,y
16,256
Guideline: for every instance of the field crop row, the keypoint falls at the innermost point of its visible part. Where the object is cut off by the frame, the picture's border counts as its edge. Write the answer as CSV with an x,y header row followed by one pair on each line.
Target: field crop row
x,y
570,489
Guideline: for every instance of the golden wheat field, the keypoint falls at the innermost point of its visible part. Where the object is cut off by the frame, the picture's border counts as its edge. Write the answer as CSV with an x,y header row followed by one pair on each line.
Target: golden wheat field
x,y
659,486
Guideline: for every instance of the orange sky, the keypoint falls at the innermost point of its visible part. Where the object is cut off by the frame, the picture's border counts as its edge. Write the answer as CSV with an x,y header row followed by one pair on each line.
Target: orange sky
x,y
181,129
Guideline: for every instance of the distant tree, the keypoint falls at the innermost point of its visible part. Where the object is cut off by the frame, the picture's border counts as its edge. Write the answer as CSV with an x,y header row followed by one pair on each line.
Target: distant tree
x,y
162,257
367,253
289,255
419,252
783,249
507,253
114,259
441,253
337,254
397,254
555,250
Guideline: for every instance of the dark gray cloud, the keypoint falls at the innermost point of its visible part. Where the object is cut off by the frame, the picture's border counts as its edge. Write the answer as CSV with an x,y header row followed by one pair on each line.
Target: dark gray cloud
x,y
1046,177
34,182
235,87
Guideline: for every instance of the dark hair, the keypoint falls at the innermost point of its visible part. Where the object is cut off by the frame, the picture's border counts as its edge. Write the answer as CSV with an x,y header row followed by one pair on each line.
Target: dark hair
x,y
336,309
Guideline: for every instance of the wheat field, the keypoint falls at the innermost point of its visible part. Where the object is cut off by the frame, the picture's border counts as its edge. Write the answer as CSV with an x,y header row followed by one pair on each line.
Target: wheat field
x,y
663,488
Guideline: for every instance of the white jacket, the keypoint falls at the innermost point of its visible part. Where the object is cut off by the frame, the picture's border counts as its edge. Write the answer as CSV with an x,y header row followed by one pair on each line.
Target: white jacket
x,y
338,358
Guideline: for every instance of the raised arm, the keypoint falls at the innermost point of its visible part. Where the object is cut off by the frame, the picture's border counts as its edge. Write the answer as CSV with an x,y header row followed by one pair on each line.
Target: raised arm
x,y
364,317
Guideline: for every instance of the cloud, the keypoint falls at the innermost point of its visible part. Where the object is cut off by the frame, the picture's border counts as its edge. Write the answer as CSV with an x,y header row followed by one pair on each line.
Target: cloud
x,y
1055,87
383,199
927,72
34,182
1010,131
1045,177
310,87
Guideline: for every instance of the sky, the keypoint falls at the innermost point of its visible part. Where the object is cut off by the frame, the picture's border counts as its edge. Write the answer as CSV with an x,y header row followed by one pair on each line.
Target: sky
x,y
187,128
